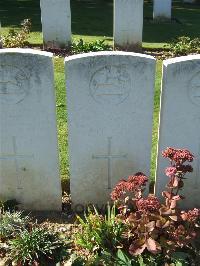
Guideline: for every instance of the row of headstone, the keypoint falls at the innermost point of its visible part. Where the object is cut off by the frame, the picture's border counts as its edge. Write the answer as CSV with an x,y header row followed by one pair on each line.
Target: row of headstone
x,y
110,112
128,22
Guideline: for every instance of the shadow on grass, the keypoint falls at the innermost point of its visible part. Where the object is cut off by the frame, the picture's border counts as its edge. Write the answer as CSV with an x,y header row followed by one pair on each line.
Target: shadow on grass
x,y
95,18
13,12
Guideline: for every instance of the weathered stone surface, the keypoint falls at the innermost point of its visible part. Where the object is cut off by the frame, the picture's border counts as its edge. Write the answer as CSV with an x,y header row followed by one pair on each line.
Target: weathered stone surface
x,y
110,107
180,120
29,169
128,24
56,23
162,9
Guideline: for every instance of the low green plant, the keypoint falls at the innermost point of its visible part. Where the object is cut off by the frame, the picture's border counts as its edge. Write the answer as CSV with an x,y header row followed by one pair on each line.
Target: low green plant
x,y
184,45
99,234
85,47
38,246
18,38
11,224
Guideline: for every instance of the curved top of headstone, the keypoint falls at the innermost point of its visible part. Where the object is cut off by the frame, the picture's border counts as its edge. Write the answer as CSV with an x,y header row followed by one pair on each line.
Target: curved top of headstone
x,y
181,59
25,51
108,53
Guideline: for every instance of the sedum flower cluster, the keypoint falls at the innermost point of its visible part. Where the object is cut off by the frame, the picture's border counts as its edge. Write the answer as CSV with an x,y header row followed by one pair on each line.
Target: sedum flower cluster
x,y
153,226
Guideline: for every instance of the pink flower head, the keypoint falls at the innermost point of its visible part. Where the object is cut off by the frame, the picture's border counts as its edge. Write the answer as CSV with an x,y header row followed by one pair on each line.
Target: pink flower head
x,y
151,203
191,215
178,155
133,184
118,190
139,179
170,171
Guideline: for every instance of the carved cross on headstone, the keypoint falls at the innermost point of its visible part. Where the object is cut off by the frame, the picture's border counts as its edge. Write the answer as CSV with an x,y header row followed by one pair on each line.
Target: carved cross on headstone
x,y
109,157
15,157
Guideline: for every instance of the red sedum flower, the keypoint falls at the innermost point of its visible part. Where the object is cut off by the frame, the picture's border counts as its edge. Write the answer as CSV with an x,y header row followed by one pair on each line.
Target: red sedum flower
x,y
133,183
139,179
191,215
178,155
170,171
151,203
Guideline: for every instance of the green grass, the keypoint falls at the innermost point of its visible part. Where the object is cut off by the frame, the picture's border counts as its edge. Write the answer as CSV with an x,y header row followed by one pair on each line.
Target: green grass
x,y
91,20
156,117
61,116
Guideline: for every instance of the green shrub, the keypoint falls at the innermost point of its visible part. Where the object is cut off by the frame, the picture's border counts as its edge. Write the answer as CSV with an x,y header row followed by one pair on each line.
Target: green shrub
x,y
99,234
11,224
85,47
18,38
38,246
184,45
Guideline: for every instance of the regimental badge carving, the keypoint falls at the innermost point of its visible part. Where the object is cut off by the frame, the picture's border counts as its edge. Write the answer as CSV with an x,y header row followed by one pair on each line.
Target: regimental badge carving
x,y
194,89
110,84
13,84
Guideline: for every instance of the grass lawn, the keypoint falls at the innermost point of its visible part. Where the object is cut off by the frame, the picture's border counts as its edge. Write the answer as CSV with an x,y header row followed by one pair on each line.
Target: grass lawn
x,y
92,19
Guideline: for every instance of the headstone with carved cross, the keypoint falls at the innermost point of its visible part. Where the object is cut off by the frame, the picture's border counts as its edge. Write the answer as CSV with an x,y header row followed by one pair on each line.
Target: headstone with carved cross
x,y
110,106
180,120
128,25
29,169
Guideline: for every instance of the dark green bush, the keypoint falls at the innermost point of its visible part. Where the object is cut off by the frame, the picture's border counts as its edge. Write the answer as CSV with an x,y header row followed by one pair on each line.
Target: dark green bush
x,y
11,224
37,247
184,45
85,47
105,232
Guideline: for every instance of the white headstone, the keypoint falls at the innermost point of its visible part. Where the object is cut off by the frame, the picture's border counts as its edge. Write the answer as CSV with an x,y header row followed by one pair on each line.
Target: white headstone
x,y
128,24
180,120
56,23
29,169
162,9
110,108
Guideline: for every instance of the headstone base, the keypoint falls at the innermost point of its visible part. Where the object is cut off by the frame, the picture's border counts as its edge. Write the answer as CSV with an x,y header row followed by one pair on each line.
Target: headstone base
x,y
129,47
56,45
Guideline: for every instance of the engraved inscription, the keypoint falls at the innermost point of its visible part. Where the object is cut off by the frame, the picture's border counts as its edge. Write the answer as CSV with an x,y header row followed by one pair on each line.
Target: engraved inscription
x,y
109,157
194,89
16,157
13,84
110,84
